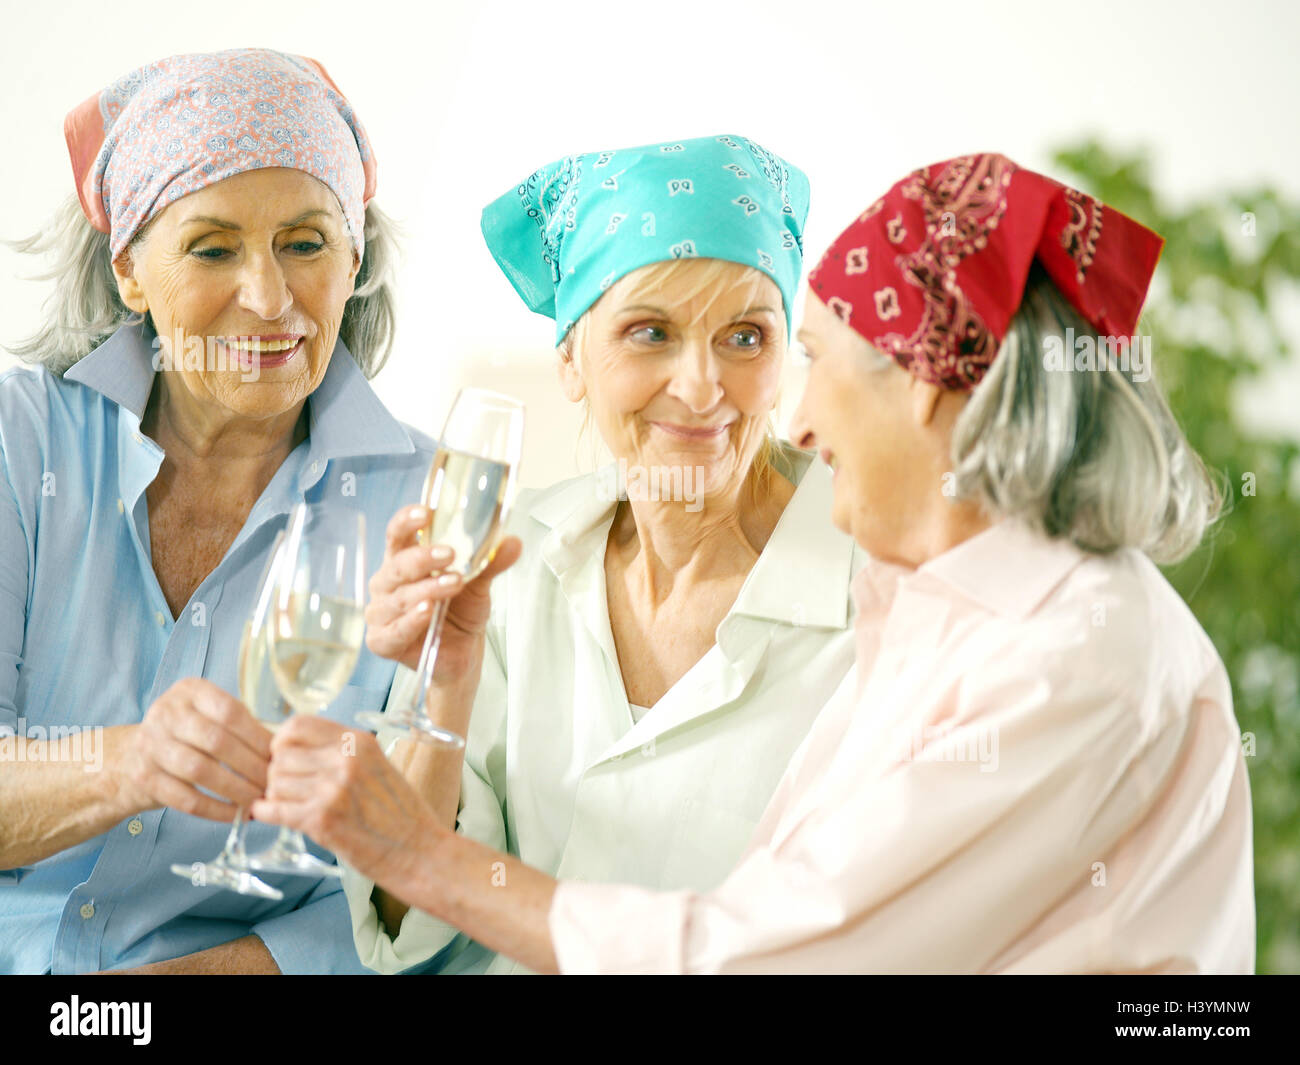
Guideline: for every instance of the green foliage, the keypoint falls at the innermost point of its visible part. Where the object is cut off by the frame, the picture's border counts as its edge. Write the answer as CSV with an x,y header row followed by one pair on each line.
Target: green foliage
x,y
1214,321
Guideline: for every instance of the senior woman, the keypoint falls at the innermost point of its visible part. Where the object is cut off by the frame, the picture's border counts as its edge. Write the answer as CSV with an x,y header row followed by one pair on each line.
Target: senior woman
x,y
220,304
1042,772
647,669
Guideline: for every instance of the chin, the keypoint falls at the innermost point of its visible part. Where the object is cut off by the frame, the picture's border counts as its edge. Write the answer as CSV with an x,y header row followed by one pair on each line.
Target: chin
x,y
840,518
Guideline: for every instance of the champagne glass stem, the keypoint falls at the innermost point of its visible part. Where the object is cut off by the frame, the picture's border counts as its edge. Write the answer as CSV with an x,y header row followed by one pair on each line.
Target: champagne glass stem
x,y
429,656
234,848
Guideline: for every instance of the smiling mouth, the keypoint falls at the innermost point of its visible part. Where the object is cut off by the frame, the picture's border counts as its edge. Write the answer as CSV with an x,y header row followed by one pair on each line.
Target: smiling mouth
x,y
684,432
263,351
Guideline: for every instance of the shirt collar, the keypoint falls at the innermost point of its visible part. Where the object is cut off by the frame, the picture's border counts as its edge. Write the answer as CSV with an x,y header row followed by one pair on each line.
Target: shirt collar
x,y
801,577
1008,569
345,417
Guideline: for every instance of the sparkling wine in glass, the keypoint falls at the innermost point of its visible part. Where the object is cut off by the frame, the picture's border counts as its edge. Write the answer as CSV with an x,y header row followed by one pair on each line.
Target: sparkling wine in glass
x,y
469,490
314,638
257,690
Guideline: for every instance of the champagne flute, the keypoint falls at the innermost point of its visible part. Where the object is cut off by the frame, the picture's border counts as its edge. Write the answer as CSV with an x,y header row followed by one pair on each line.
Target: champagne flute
x,y
314,638
229,869
469,489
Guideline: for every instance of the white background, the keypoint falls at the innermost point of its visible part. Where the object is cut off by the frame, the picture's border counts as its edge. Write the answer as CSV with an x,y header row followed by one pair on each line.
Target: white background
x,y
462,100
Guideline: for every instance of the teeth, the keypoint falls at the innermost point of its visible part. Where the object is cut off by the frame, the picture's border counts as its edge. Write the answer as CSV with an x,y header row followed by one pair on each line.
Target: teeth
x,y
263,346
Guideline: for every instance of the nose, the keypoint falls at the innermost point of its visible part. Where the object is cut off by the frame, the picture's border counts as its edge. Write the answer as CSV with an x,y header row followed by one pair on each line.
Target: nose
x,y
696,381
801,434
263,289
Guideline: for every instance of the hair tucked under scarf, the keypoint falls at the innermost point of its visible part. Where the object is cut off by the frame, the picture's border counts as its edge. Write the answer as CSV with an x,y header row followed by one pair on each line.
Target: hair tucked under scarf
x,y
183,123
933,271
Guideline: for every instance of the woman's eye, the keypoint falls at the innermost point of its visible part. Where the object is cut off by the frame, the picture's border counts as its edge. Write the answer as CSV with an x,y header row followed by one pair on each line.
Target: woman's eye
x,y
651,334
305,247
747,339
211,254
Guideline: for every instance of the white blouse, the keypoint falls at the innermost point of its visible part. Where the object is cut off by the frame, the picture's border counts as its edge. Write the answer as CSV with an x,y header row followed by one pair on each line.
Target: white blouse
x,y
1042,773
561,771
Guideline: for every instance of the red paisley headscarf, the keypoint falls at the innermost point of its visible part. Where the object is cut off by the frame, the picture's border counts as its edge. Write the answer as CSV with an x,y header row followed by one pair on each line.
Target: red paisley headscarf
x,y
933,271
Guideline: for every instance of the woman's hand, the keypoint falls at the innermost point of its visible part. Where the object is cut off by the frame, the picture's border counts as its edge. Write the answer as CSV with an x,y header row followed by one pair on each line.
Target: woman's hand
x,y
412,578
195,736
334,784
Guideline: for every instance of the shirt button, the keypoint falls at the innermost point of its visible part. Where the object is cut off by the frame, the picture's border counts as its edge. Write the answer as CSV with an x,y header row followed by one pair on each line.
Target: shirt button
x,y
137,438
121,507
135,826
161,618
87,911
315,467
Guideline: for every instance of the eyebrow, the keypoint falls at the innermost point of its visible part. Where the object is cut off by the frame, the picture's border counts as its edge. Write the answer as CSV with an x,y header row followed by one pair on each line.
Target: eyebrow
x,y
659,312
221,223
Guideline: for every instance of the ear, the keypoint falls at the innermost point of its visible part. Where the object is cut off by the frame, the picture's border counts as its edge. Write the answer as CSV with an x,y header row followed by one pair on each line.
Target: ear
x,y
128,287
925,400
571,382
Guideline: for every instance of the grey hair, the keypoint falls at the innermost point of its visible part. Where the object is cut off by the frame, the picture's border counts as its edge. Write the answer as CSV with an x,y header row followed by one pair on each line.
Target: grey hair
x,y
85,308
1093,456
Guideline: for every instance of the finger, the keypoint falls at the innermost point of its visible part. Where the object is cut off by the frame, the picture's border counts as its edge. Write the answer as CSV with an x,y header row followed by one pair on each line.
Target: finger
x,y
505,556
398,639
404,600
233,716
308,730
273,812
410,564
303,788
402,527
197,769
167,790
305,817
198,731
320,760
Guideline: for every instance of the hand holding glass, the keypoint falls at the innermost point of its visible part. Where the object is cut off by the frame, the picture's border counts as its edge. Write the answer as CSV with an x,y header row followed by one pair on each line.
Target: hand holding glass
x,y
314,638
469,489
229,869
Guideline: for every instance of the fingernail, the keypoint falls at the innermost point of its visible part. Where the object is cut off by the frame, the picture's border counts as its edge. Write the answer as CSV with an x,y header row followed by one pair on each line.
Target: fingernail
x,y
415,513
448,579
440,553
422,607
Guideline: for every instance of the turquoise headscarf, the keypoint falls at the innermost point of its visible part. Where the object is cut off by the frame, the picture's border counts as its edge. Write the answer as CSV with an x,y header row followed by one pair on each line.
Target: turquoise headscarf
x,y
575,227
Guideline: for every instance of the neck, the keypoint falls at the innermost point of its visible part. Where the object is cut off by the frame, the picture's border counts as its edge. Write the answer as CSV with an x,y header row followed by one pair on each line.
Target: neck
x,y
955,524
715,534
933,528
189,430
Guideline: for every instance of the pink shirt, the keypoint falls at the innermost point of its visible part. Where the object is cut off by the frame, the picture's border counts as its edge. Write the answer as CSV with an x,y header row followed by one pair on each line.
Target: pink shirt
x,y
1040,772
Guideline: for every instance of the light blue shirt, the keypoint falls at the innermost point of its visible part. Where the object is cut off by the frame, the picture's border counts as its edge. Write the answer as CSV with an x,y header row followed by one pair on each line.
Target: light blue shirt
x,y
86,638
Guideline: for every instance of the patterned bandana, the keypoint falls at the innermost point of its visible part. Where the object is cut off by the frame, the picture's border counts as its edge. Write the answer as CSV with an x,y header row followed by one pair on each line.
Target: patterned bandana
x,y
181,124
933,271
575,227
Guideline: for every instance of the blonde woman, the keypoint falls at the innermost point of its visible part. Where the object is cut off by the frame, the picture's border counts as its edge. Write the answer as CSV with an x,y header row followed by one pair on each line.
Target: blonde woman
x,y
676,620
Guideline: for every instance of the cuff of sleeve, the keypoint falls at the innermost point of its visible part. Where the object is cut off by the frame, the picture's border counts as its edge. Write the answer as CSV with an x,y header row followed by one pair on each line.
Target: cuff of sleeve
x,y
420,938
614,928
309,940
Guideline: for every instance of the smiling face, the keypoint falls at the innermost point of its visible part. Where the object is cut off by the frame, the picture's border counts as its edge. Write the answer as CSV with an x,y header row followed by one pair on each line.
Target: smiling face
x,y
884,432
684,371
255,269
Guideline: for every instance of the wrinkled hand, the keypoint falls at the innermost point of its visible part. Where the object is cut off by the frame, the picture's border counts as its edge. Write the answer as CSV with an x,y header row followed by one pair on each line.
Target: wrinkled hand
x,y
410,581
195,736
335,784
